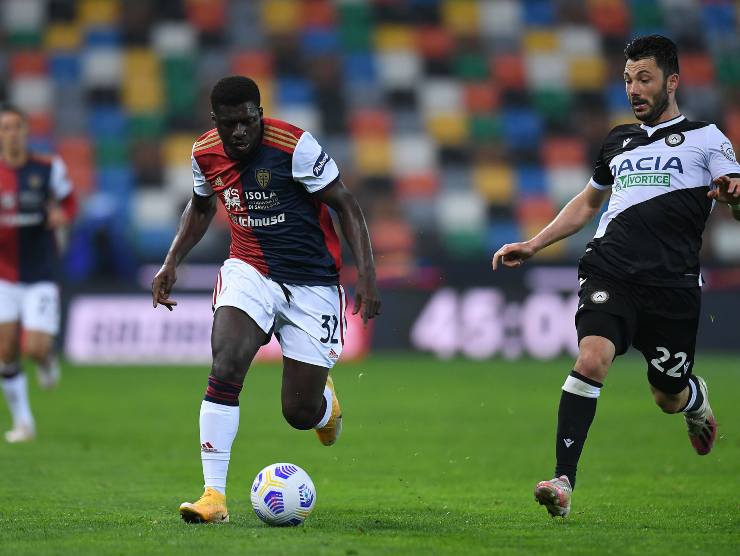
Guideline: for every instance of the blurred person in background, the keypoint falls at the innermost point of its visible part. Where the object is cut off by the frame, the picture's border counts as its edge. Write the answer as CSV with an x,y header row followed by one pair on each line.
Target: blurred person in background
x,y
640,277
282,276
36,204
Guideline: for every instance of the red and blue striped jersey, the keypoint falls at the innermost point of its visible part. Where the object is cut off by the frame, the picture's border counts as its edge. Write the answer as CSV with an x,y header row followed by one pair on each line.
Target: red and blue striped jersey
x,y
28,248
277,225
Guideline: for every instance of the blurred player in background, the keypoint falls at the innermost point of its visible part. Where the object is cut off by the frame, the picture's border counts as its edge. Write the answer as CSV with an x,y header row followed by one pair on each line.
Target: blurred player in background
x,y
282,276
36,202
639,277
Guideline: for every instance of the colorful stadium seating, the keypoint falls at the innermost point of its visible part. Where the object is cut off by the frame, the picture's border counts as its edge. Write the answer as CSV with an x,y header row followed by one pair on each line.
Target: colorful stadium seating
x,y
469,113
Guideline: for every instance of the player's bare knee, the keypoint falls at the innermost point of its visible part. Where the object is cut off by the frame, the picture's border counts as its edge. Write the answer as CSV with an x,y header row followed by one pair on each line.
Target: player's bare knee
x,y
593,364
227,366
300,416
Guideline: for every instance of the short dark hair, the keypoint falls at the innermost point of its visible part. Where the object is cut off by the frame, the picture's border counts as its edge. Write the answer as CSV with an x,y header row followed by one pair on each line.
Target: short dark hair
x,y
659,47
8,107
234,90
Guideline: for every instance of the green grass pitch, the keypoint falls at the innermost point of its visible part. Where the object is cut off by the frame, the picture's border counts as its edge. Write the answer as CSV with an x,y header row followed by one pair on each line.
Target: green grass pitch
x,y
436,458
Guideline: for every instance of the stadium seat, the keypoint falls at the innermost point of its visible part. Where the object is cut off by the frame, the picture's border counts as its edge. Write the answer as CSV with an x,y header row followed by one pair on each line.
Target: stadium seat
x,y
319,14
434,42
142,85
412,154
448,128
587,73
369,123
508,71
360,69
355,27
294,90
481,97
553,105
696,69
62,36
530,181
500,232
32,94
563,151
415,186
539,13
28,63
316,41
610,17
207,15
546,70
485,128
459,15
372,156
503,18
256,64
64,68
540,40
393,37
494,182
101,36
522,127
281,16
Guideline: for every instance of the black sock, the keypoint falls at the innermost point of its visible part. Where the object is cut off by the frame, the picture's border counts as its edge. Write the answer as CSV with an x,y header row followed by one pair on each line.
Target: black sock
x,y
696,398
575,415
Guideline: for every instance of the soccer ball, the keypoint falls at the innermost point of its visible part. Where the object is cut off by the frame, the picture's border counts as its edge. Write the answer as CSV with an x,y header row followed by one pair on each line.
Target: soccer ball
x,y
283,494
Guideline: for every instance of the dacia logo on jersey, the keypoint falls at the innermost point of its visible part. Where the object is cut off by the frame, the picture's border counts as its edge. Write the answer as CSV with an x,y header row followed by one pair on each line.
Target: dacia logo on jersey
x,y
263,176
231,199
320,164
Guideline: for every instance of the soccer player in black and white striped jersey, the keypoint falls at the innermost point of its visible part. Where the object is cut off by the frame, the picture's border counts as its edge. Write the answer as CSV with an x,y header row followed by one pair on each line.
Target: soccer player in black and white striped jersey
x,y
639,277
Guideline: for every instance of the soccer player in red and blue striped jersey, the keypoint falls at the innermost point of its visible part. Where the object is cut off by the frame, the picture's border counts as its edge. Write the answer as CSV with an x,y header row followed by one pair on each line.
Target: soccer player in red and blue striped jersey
x,y
36,201
277,185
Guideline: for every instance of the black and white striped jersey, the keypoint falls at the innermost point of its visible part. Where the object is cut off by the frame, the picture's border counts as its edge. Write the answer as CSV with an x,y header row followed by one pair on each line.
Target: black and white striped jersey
x,y
651,232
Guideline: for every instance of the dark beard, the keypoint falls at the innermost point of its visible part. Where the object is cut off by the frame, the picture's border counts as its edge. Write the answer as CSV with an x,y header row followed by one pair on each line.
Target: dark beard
x,y
661,103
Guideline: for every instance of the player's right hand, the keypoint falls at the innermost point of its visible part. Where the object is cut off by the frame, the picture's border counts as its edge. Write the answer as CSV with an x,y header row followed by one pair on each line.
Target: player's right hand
x,y
512,254
162,286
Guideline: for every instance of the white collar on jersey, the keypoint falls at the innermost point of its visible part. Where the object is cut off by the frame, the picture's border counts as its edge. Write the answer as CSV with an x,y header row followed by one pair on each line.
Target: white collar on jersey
x,y
652,129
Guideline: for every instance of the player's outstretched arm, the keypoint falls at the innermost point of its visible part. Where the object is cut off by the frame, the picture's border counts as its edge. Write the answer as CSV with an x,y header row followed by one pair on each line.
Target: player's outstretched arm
x,y
574,216
727,191
194,222
354,228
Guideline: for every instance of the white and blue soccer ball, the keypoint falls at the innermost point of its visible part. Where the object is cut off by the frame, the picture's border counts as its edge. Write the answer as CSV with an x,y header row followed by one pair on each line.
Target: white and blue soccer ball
x,y
283,494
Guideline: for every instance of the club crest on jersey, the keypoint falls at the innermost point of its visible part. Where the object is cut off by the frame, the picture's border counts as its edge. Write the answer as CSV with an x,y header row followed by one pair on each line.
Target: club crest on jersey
x,y
600,297
231,199
263,176
674,139
35,181
727,150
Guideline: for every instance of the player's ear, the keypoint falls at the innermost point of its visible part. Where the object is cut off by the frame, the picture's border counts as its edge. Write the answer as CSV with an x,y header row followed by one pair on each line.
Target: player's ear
x,y
672,84
213,116
261,113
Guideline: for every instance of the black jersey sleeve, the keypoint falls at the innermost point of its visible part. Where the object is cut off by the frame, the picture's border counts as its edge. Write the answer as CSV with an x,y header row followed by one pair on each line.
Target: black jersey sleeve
x,y
602,175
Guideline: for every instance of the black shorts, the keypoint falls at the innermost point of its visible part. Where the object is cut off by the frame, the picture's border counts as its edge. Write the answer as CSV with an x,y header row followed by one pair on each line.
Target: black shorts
x,y
659,322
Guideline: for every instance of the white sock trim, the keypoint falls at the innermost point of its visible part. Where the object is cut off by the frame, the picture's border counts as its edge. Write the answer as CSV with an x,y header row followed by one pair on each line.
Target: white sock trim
x,y
579,388
329,397
692,396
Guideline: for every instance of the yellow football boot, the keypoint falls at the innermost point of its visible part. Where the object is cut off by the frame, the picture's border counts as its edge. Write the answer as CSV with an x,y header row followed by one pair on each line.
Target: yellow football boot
x,y
329,433
210,508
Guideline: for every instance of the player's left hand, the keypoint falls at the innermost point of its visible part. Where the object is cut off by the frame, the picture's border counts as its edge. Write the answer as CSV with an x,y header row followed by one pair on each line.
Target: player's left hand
x,y
56,218
727,190
367,298
162,286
